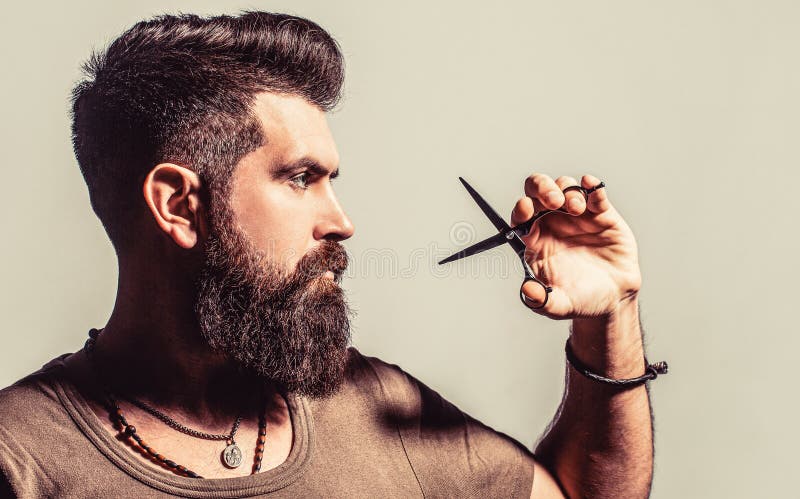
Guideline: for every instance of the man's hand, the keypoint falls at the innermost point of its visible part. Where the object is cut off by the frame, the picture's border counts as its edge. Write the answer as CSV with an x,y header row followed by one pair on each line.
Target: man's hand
x,y
588,256
600,443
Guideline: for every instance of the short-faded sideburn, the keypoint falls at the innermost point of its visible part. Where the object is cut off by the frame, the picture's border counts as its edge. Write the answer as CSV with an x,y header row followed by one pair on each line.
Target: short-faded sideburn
x,y
179,88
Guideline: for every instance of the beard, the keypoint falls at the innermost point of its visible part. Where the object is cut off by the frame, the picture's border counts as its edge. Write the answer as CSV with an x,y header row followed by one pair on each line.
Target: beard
x,y
291,328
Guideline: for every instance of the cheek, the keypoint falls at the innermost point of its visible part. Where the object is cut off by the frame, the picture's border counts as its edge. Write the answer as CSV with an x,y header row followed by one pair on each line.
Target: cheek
x,y
278,225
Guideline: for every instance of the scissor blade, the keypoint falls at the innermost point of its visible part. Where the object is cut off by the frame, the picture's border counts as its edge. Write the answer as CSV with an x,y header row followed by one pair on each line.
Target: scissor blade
x,y
496,219
519,246
478,247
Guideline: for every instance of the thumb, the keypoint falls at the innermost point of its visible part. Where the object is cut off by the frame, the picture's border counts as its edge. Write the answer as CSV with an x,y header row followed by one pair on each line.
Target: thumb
x,y
534,294
556,306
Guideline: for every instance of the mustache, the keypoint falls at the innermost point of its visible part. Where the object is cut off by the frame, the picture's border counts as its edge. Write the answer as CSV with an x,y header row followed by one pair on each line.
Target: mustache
x,y
329,255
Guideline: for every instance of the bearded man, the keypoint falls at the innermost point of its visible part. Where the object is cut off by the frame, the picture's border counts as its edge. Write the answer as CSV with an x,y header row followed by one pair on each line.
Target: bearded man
x,y
224,369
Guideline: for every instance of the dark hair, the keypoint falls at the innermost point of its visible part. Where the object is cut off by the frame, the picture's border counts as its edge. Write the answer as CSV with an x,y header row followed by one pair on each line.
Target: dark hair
x,y
180,89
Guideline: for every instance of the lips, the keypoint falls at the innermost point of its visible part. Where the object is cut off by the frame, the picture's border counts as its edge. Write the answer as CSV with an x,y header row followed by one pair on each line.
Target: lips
x,y
328,260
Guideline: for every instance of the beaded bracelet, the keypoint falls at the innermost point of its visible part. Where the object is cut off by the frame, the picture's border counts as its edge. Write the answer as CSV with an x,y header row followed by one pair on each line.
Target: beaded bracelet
x,y
651,371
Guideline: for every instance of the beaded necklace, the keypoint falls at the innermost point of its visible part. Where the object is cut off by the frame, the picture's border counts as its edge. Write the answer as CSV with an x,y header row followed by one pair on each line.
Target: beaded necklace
x,y
231,456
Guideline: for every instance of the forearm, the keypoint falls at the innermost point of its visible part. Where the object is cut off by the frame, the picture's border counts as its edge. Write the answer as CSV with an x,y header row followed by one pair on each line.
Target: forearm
x,y
600,443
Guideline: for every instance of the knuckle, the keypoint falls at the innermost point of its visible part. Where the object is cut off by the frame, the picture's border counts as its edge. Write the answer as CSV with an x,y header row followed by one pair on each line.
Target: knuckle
x,y
539,179
565,181
528,181
575,203
535,183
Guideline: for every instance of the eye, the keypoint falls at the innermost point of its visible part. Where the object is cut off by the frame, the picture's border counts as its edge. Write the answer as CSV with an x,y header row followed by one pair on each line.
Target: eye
x,y
300,180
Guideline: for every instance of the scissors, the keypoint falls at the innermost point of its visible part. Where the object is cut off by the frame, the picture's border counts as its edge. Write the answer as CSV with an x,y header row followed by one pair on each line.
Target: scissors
x,y
513,236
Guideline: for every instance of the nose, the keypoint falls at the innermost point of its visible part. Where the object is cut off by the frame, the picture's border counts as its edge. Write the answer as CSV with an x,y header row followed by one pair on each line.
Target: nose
x,y
334,224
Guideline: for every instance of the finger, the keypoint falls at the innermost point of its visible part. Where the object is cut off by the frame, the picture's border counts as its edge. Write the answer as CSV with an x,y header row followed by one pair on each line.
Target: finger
x,y
542,188
598,200
522,211
534,294
558,303
575,203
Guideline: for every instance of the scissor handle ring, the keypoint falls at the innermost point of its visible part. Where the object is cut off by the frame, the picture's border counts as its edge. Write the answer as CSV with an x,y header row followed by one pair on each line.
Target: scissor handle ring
x,y
547,291
584,190
577,188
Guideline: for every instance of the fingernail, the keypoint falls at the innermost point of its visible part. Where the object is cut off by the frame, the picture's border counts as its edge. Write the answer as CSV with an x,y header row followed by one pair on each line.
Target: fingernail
x,y
553,197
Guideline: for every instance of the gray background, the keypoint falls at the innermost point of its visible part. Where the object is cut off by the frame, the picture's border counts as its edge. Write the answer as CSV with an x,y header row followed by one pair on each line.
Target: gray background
x,y
689,110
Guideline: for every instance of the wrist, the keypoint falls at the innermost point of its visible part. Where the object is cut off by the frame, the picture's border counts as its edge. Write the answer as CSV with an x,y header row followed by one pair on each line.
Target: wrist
x,y
611,344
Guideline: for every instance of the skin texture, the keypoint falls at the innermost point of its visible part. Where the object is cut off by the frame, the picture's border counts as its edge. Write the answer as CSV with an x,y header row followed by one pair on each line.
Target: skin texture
x,y
600,442
288,222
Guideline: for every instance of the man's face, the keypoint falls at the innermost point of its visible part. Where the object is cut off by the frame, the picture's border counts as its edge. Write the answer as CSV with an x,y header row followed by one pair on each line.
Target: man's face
x,y
282,195
268,293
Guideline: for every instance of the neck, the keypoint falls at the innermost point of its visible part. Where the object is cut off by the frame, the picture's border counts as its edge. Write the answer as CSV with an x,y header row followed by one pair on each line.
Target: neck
x,y
151,349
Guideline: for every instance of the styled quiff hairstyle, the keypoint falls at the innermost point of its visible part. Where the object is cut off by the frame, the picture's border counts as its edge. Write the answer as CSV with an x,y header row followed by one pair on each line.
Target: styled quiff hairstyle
x,y
180,89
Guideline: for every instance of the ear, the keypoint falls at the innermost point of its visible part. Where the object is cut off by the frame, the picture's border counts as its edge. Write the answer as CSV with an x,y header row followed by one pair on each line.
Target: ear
x,y
172,193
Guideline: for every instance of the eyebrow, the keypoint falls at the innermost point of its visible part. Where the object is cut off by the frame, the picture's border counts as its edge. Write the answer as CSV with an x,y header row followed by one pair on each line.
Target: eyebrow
x,y
303,164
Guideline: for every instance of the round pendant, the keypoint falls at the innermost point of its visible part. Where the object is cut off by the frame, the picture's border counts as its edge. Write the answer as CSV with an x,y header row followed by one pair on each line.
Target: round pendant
x,y
232,456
